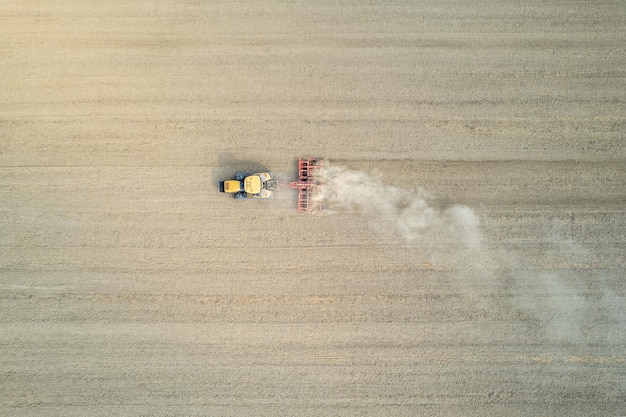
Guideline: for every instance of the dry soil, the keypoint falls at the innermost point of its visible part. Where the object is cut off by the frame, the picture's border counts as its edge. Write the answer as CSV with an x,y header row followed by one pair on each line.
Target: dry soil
x,y
471,260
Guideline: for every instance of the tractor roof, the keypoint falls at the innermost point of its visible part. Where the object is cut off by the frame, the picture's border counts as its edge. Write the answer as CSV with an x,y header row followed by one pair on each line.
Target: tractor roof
x,y
252,184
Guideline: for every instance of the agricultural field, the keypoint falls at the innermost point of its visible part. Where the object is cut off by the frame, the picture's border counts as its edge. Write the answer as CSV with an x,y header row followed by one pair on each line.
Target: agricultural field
x,y
471,259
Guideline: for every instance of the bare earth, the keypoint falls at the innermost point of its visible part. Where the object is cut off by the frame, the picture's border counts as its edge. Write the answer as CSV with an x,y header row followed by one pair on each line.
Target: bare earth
x,y
473,265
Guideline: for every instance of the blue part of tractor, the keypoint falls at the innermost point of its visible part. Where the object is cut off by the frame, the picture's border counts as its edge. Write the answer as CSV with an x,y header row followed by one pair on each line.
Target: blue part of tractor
x,y
240,176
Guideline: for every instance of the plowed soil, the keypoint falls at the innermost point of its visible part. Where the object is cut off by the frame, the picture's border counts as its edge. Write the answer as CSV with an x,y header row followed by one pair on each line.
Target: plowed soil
x,y
471,259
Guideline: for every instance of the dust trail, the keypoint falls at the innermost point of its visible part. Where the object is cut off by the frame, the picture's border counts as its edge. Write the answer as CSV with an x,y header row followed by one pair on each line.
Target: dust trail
x,y
557,300
573,304
405,212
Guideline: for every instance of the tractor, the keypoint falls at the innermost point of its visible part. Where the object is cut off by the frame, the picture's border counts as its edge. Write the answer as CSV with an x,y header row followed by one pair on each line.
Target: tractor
x,y
250,185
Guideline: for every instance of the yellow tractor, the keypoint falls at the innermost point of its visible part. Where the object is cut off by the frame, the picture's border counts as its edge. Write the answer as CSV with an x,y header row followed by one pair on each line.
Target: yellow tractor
x,y
250,185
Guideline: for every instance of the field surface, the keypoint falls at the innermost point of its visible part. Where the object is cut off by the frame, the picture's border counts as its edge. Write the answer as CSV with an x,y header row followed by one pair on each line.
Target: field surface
x,y
471,260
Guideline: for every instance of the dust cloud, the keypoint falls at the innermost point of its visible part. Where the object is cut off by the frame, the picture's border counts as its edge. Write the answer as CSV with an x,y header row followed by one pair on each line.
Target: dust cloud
x,y
404,212
561,298
555,298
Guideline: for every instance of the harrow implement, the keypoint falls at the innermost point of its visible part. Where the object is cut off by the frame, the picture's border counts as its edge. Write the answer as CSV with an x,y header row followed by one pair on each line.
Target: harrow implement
x,y
307,183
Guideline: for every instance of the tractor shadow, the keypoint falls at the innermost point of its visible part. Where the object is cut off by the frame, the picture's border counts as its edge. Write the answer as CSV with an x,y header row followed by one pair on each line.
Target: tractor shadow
x,y
228,165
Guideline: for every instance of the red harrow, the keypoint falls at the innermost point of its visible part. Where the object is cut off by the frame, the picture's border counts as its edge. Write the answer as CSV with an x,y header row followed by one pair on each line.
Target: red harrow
x,y
306,184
